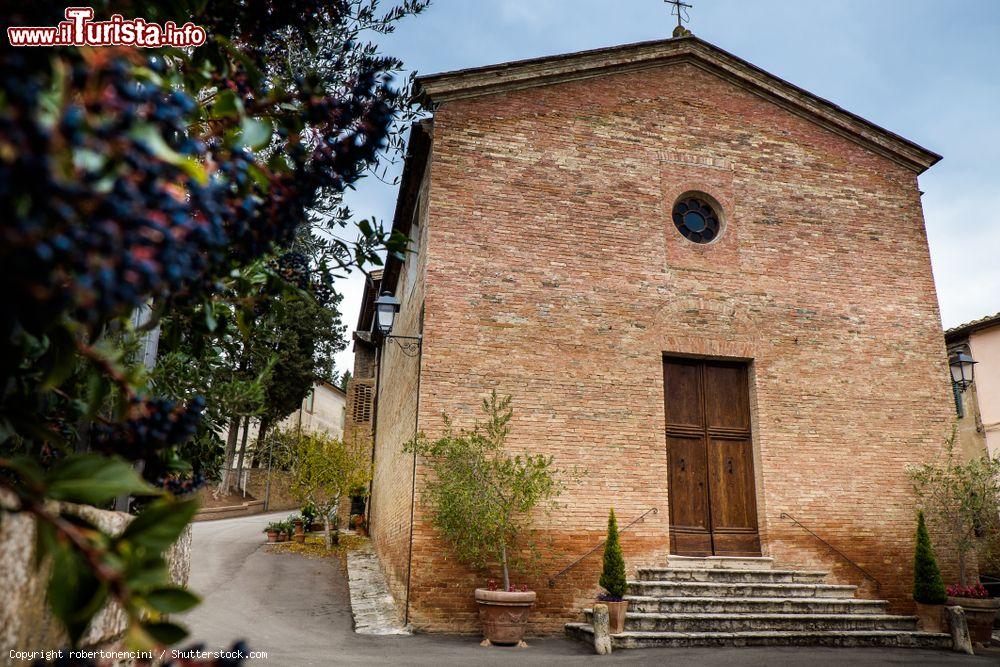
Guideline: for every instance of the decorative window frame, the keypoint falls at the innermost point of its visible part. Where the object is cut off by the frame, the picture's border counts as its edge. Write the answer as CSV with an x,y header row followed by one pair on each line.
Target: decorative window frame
x,y
717,208
682,174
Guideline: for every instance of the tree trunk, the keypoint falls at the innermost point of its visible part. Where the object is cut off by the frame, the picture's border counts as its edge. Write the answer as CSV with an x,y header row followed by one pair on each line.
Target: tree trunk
x,y
243,448
265,424
506,574
327,536
227,458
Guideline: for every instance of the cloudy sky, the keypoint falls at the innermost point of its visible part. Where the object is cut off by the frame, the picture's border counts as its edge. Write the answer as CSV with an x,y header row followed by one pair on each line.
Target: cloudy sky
x,y
926,69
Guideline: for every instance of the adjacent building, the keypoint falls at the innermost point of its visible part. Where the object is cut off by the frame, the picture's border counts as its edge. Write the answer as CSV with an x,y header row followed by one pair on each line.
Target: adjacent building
x,y
978,406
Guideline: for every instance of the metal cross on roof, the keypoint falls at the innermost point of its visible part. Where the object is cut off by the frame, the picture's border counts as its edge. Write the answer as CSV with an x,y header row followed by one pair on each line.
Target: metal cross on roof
x,y
680,11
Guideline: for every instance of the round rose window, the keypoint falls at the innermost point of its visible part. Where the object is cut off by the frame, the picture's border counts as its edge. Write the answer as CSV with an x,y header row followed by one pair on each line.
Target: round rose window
x,y
696,219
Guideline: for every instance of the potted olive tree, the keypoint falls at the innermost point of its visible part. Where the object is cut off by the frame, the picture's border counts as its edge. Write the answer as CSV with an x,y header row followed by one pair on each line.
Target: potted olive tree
x,y
613,578
481,498
963,499
324,469
928,588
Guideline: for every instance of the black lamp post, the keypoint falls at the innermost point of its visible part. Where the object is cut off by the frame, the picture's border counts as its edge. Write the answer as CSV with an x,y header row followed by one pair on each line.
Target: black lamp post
x,y
962,369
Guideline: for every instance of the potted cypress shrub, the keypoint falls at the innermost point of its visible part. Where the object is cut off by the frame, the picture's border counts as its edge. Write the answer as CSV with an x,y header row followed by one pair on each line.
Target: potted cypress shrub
x,y
481,499
928,588
613,578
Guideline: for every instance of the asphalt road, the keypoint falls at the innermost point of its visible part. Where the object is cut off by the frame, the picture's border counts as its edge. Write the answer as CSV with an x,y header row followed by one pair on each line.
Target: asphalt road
x,y
298,611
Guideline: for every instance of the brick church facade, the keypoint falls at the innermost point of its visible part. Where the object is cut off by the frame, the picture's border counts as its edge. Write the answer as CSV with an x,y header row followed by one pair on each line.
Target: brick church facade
x,y
707,288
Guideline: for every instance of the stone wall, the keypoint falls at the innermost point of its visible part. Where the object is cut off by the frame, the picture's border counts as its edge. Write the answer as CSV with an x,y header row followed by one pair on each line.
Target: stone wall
x,y
554,274
25,623
281,496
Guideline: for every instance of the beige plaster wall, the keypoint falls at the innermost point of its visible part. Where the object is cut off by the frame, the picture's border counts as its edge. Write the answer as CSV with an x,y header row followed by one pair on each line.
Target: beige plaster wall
x,y
985,347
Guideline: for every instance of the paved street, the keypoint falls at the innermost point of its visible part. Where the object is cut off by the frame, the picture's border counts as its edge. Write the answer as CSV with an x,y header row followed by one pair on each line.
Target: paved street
x,y
297,609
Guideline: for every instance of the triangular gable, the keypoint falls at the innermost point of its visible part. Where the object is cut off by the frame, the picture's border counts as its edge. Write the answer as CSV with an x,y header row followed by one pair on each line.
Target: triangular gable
x,y
476,82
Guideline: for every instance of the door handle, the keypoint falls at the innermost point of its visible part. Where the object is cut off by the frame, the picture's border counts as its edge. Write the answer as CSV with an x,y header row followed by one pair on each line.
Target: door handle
x,y
682,465
729,464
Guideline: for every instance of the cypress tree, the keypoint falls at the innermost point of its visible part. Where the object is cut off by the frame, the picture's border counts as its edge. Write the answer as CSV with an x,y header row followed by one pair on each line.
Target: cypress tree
x,y
928,588
613,575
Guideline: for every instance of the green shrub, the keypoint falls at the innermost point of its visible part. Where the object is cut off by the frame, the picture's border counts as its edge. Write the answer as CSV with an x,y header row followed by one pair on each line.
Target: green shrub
x,y
309,513
928,588
482,497
613,576
963,498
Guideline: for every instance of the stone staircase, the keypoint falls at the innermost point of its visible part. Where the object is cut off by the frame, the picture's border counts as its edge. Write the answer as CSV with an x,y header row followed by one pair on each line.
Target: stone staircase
x,y
720,601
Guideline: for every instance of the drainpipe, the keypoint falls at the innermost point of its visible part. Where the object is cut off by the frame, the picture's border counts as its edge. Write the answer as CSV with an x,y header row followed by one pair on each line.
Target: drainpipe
x,y
413,485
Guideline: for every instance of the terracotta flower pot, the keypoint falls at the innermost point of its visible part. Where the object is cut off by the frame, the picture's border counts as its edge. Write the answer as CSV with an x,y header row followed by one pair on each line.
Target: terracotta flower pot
x,y
300,537
616,615
272,536
504,614
930,617
979,613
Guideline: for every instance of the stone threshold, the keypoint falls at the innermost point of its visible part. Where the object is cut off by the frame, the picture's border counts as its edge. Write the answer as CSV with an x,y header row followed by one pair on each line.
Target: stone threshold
x,y
374,609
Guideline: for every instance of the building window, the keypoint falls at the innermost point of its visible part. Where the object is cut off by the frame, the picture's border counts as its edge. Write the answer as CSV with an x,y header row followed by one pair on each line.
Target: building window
x,y
361,403
310,398
697,219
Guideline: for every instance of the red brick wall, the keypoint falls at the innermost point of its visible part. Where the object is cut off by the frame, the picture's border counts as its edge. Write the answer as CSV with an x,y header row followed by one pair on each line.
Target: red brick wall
x,y
389,505
554,274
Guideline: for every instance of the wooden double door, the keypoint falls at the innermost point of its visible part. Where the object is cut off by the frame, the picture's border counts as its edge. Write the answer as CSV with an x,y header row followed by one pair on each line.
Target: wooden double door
x,y
713,507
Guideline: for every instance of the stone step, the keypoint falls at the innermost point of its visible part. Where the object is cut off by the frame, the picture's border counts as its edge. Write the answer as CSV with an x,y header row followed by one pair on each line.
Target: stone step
x,y
752,605
730,576
682,622
743,590
721,562
841,638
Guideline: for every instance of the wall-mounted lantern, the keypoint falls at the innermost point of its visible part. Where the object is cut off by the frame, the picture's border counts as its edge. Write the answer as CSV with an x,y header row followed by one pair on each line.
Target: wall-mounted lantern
x,y
962,369
386,307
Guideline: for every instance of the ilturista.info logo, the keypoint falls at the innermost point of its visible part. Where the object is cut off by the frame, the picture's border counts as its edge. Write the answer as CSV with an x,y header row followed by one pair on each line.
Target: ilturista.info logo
x,y
80,29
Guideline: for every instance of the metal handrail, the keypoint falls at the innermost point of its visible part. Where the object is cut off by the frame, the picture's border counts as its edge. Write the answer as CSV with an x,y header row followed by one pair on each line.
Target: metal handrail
x,y
878,584
552,579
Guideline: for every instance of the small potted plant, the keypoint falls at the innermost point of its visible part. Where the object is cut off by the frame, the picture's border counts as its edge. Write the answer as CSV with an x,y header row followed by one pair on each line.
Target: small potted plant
x,y
928,588
980,610
272,531
283,531
482,498
613,578
309,516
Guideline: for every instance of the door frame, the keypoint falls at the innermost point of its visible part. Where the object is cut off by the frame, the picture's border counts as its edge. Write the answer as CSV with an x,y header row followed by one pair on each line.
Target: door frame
x,y
750,365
